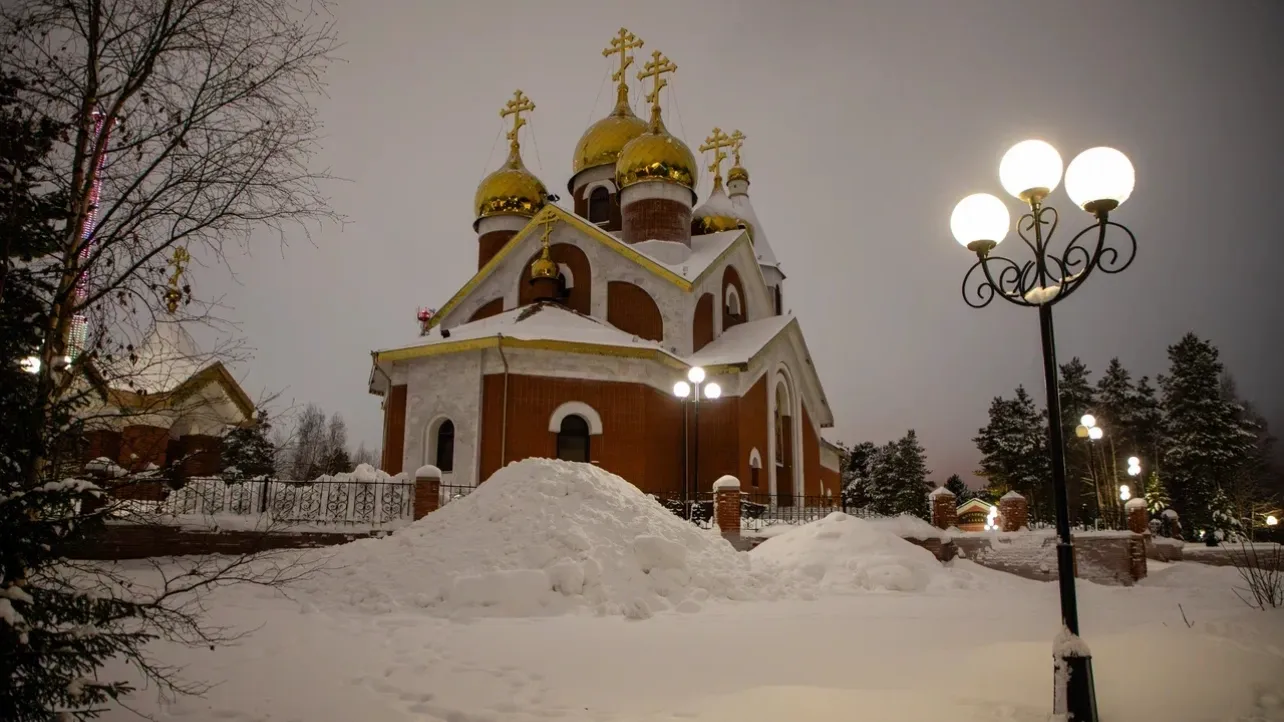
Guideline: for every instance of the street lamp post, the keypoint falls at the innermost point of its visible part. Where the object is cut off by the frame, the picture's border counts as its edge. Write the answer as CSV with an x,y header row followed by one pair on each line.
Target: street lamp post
x,y
693,391
1098,180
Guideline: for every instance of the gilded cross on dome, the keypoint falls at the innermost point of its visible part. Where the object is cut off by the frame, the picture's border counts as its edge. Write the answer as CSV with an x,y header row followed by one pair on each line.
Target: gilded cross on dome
x,y
656,69
716,142
621,44
737,140
543,267
516,106
179,261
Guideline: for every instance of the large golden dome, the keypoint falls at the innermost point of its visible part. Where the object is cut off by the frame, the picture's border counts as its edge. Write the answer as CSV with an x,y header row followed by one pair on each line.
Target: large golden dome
x,y
512,190
656,156
602,142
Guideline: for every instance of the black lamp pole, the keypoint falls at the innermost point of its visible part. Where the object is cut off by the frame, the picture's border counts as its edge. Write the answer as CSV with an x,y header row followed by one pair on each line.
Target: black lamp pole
x,y
1043,282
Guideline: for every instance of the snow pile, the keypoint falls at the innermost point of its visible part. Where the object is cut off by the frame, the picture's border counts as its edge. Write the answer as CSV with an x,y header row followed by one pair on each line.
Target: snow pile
x,y
367,474
842,553
908,525
543,537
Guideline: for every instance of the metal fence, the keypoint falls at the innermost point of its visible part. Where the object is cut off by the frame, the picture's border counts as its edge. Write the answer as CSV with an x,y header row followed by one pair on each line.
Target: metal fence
x,y
758,511
324,501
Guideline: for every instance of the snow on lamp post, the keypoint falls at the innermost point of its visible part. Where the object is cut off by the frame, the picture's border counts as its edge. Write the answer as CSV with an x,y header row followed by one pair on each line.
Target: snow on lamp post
x,y
692,390
1098,181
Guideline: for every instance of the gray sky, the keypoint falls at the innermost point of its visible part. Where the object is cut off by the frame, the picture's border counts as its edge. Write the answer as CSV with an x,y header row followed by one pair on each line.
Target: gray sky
x,y
866,123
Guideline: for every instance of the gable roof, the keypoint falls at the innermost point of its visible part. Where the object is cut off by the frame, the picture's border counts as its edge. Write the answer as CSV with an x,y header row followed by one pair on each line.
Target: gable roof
x,y
685,275
541,325
145,400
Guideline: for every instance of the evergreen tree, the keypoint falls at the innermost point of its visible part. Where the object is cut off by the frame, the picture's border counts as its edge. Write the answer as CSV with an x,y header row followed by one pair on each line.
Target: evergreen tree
x,y
1078,398
1014,455
1224,521
1204,442
883,496
1146,421
960,490
910,477
247,451
335,459
856,477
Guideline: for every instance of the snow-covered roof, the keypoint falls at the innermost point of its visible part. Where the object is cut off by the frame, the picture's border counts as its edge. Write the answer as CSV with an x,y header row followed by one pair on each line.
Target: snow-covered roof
x,y
738,206
741,342
941,491
539,322
704,251
166,358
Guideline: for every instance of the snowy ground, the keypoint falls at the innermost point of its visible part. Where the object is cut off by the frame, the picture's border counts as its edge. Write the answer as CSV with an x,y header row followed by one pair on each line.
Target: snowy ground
x,y
829,642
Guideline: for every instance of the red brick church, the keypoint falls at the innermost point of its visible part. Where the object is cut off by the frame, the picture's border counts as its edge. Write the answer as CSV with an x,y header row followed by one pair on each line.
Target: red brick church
x,y
569,339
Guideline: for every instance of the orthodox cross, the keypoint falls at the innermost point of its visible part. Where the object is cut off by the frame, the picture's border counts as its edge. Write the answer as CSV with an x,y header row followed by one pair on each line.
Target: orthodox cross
x,y
516,106
621,44
179,262
737,140
549,221
656,69
716,142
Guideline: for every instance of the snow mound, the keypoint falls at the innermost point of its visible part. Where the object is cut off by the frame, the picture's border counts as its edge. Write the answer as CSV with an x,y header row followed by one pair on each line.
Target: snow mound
x,y
841,553
543,537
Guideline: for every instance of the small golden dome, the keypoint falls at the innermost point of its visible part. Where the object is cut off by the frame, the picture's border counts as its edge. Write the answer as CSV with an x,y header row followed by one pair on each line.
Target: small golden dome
x,y
716,214
737,173
543,267
511,190
656,156
602,142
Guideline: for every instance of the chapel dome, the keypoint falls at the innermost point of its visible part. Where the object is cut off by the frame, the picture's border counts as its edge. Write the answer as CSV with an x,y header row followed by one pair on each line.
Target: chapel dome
x,y
716,214
543,267
602,142
511,190
656,156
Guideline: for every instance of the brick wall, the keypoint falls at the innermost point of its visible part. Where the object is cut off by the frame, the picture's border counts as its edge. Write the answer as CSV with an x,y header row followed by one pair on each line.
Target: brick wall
x,y
141,445
394,429
488,244
702,323
731,278
1106,558
102,443
810,456
580,297
582,208
493,307
657,219
753,435
199,455
632,310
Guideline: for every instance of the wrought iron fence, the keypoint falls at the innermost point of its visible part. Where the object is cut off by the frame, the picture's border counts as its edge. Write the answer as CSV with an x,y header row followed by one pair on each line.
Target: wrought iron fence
x,y
452,492
324,501
760,510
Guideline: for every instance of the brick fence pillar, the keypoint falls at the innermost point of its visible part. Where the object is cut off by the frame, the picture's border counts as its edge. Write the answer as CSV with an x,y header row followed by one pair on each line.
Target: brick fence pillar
x,y
1014,512
944,508
726,506
427,490
1138,518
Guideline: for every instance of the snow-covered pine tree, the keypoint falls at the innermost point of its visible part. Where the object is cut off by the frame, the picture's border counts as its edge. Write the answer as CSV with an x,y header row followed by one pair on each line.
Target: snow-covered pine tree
x,y
910,477
1225,522
962,492
882,484
247,451
856,492
1204,443
1014,454
1078,398
1157,498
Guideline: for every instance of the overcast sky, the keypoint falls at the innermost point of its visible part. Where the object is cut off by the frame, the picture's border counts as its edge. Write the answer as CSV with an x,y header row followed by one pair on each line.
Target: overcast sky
x,y
866,123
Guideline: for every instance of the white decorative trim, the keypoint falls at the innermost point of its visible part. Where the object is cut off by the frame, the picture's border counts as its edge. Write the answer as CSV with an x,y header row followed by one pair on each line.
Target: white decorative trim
x,y
430,440
565,270
755,459
575,408
729,295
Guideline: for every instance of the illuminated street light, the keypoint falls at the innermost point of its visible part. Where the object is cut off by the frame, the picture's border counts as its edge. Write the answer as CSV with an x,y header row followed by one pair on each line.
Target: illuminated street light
x,y
692,393
1098,181
1124,492
1271,520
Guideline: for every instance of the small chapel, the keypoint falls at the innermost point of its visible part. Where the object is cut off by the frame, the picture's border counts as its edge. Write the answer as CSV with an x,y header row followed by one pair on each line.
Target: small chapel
x,y
581,319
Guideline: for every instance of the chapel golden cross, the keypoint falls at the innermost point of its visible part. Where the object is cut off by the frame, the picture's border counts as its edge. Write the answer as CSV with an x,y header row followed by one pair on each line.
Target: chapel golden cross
x,y
716,142
656,69
737,140
179,262
621,44
516,106
549,221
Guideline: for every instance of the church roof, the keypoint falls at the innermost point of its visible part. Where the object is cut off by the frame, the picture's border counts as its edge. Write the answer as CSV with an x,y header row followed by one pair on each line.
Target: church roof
x,y
706,250
742,208
542,325
740,343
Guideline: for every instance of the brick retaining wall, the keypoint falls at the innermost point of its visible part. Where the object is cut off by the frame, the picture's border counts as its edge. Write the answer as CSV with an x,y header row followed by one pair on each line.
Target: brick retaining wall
x,y
140,541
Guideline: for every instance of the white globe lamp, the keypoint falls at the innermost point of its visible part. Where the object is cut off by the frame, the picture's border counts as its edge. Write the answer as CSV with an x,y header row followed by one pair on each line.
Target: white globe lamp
x,y
1030,170
1088,420
1099,180
980,222
682,389
1095,433
695,375
712,390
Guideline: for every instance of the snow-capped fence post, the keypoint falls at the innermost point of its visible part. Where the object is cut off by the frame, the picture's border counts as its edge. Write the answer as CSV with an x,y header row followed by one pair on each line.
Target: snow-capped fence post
x,y
427,490
944,508
1138,518
1014,511
726,506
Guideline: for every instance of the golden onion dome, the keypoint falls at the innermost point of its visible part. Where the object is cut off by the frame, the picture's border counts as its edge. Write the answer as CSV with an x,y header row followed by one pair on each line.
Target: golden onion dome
x,y
543,267
512,190
716,214
602,142
656,156
737,172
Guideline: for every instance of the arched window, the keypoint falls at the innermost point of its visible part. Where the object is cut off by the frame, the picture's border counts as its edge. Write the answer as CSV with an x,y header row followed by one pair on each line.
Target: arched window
x,y
755,468
445,459
733,301
599,205
573,439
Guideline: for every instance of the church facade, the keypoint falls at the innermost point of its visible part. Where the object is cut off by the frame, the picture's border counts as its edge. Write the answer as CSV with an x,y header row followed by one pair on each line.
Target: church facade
x,y
569,339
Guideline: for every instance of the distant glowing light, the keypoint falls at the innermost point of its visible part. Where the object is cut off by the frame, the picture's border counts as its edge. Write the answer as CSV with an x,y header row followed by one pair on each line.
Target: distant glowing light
x,y
1088,420
1271,520
30,364
1095,433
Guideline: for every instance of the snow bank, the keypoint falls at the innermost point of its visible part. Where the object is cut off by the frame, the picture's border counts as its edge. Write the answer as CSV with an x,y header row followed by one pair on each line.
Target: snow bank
x,y
543,537
907,525
842,553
